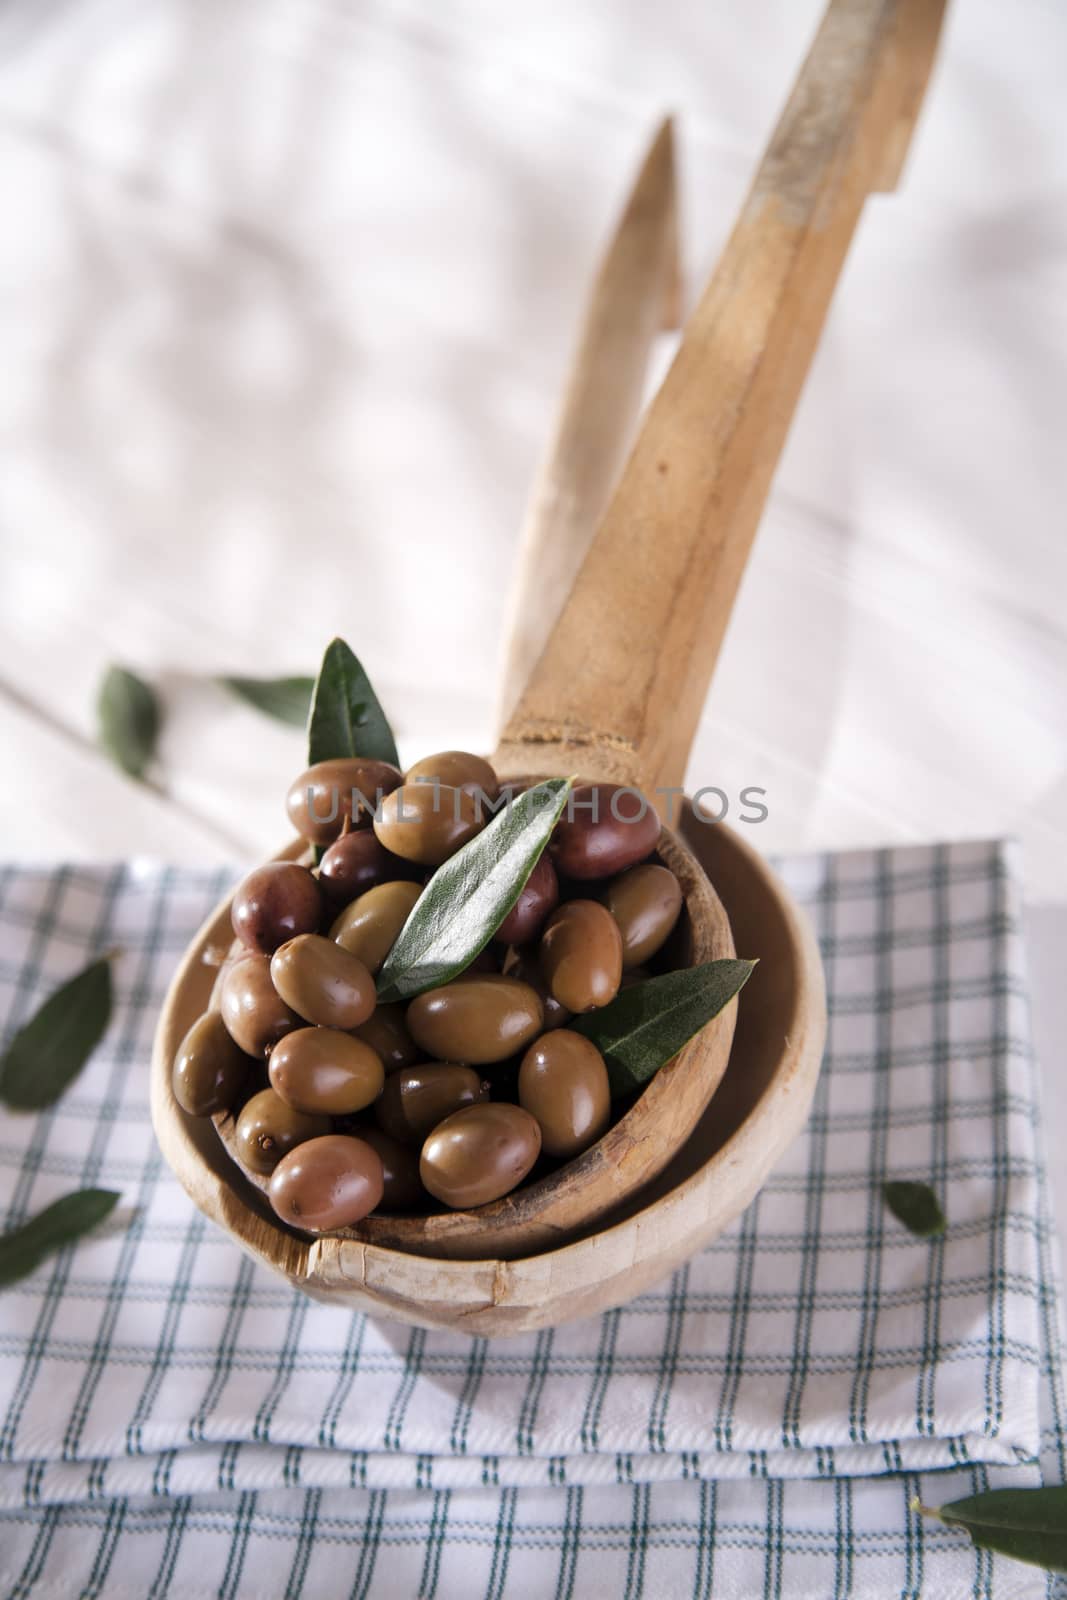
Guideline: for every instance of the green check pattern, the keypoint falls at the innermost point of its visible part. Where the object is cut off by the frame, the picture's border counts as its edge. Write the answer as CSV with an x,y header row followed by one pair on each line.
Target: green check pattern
x,y
176,1421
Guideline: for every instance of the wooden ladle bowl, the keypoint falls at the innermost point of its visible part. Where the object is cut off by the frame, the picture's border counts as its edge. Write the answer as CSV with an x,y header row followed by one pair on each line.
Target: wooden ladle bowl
x,y
552,1208
760,1106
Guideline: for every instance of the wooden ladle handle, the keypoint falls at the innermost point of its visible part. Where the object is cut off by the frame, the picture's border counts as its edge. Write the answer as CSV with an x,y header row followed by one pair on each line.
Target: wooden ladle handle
x,y
619,687
636,294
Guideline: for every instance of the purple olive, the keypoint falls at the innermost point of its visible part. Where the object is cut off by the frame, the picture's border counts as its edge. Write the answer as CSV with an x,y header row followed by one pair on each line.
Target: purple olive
x,y
274,903
604,829
538,897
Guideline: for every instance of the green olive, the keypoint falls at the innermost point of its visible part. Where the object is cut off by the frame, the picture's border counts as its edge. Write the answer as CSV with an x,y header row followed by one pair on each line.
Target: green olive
x,y
350,787
416,1099
320,1069
389,1038
327,1183
323,982
400,1169
477,1020
460,770
646,902
210,1069
368,928
581,955
254,1012
480,1153
268,1129
563,1082
428,822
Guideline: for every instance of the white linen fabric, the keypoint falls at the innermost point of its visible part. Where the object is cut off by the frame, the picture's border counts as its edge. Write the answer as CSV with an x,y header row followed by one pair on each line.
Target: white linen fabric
x,y
175,1420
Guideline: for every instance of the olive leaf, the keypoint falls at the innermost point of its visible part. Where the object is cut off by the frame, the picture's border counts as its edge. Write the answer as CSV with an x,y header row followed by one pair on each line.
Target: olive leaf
x,y
346,718
916,1206
1029,1524
127,720
58,1224
468,897
284,699
647,1024
49,1050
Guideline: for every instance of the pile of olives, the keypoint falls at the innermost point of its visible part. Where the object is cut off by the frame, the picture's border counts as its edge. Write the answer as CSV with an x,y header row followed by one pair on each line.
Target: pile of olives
x,y
345,1104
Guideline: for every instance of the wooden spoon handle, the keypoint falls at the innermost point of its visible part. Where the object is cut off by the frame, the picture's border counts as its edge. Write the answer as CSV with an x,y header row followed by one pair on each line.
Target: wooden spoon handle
x,y
619,688
635,294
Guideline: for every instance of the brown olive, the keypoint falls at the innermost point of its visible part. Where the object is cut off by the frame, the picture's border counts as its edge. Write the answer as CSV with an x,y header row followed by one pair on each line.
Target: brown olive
x,y
480,1153
603,830
356,862
268,1129
254,1012
527,969
581,955
368,928
400,1169
322,982
427,822
274,903
326,1183
537,898
321,1069
210,1069
563,1082
322,797
389,1038
460,770
645,902
416,1099
477,1020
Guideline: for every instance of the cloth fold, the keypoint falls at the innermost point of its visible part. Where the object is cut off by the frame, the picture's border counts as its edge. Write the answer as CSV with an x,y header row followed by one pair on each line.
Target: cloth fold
x,y
153,1367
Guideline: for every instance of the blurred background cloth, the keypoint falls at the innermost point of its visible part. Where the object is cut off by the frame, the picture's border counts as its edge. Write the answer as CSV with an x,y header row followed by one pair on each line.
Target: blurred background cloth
x,y
287,289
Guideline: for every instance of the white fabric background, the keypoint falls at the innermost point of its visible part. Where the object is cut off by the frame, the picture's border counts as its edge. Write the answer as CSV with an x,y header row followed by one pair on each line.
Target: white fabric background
x,y
286,290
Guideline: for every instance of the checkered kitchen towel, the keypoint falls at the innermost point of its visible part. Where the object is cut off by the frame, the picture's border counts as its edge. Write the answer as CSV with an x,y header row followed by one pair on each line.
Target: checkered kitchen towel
x,y
176,1421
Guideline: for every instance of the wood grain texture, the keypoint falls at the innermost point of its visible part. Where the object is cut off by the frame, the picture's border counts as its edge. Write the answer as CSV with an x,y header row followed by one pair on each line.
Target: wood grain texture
x,y
642,628
636,293
761,1104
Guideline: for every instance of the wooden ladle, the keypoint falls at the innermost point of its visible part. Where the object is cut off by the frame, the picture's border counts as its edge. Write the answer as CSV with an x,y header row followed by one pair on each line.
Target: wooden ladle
x,y
616,694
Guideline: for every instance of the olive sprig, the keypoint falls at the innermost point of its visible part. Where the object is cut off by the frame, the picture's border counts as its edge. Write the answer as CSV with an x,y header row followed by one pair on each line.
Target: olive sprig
x,y
346,717
469,896
128,720
916,1206
61,1223
1028,1524
285,699
647,1024
41,1060
50,1049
